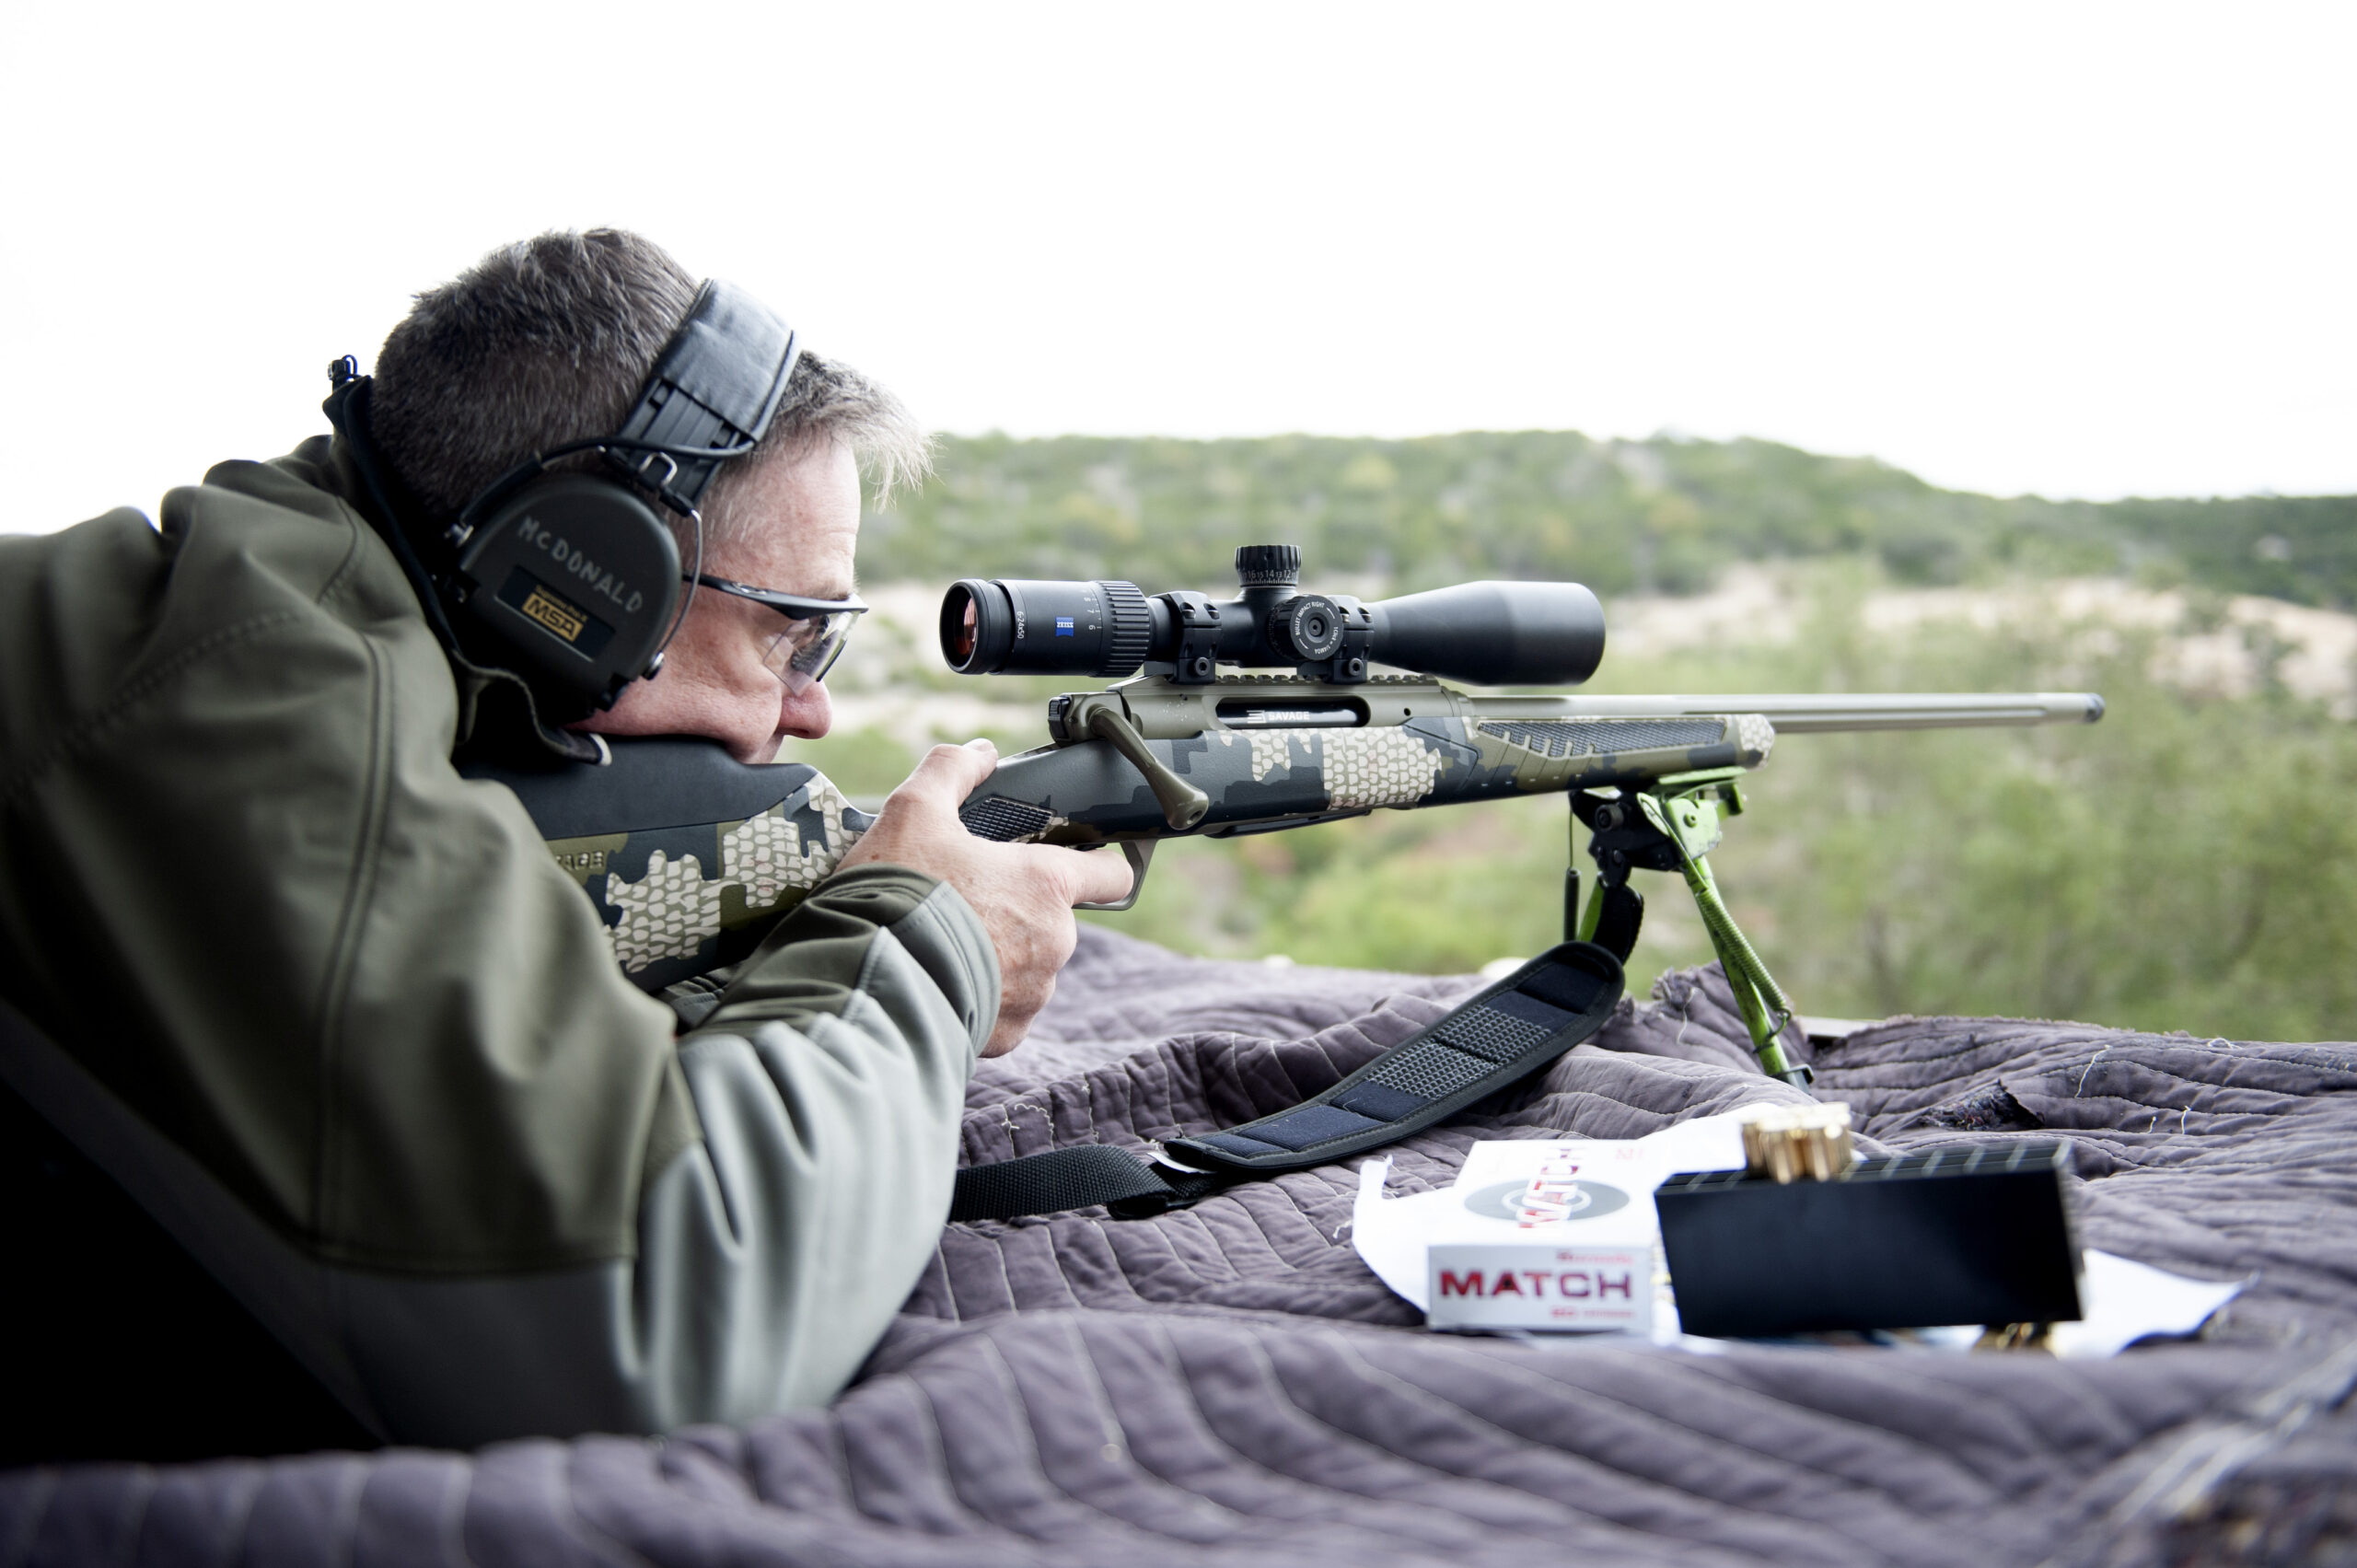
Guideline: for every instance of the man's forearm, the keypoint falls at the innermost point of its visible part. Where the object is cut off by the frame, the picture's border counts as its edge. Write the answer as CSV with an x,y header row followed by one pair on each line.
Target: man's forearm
x,y
773,1249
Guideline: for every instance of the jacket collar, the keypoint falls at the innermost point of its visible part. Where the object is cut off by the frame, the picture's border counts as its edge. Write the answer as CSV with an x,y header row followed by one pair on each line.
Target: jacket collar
x,y
498,712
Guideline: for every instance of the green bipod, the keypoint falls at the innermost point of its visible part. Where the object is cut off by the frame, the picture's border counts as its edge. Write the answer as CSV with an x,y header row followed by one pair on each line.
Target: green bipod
x,y
1672,826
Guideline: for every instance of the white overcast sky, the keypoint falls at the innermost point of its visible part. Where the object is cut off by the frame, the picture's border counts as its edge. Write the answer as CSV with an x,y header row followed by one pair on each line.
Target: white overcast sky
x,y
2070,249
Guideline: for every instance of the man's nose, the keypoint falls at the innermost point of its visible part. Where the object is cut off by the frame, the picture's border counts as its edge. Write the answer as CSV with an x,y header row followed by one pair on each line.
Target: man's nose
x,y
807,715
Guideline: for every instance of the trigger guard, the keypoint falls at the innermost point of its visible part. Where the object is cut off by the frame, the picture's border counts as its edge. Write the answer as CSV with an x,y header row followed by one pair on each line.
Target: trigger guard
x,y
1138,853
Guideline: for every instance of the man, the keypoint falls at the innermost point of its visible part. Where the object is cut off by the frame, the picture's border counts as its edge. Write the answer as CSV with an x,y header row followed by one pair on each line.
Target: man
x,y
332,1015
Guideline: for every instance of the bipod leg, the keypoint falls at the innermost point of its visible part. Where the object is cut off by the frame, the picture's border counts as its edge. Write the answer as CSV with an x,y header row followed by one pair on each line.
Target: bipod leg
x,y
1691,821
1573,924
1618,912
1614,910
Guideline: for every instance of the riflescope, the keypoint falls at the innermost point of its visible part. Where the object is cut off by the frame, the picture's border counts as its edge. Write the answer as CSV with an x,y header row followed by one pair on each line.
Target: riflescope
x,y
1490,633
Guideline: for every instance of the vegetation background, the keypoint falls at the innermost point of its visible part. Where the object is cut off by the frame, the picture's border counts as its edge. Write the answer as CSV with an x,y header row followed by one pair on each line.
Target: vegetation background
x,y
2190,864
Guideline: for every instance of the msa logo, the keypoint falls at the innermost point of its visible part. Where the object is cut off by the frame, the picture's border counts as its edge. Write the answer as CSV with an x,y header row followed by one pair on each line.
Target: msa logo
x,y
554,614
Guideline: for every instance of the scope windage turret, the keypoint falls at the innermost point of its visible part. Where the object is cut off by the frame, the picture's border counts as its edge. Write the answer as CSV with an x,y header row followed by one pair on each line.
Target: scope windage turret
x,y
1490,633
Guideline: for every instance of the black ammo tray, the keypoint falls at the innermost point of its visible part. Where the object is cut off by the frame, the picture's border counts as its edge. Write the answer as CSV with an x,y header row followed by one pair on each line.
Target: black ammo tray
x,y
1973,1234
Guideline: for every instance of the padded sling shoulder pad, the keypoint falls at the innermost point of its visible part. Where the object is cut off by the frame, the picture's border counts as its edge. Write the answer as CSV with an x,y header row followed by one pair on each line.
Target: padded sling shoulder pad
x,y
1504,1033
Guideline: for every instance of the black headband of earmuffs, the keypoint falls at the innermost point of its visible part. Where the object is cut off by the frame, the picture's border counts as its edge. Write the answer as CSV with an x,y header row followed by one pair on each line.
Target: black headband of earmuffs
x,y
570,579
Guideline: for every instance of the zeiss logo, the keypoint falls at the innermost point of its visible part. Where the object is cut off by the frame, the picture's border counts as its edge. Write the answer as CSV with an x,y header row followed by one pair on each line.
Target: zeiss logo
x,y
1063,626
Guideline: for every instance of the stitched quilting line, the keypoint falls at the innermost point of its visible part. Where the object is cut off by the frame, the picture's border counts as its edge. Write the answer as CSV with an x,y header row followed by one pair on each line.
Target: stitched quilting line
x,y
1019,1404
451,1521
2214,1452
2161,1071
1118,1234
45,1483
2041,1062
558,1481
712,1456
1163,1232
1276,1248
970,1244
1832,1484
130,1511
1258,1231
1761,1402
1110,1412
1116,1432
1298,1486
1007,1110
1274,1382
791,1530
674,1467
138,1513
920,1400
1417,1394
351,1484
1937,1373
1125,1241
235,1520
1056,1254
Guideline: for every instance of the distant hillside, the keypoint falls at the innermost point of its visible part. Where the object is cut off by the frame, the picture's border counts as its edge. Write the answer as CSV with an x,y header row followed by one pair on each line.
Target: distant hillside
x,y
1624,516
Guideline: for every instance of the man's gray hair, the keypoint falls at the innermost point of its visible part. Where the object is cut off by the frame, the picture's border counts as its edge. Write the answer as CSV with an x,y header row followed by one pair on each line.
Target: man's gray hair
x,y
549,341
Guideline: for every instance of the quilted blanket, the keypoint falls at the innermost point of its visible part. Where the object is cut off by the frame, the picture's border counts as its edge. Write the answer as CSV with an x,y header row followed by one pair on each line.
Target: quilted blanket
x,y
1231,1383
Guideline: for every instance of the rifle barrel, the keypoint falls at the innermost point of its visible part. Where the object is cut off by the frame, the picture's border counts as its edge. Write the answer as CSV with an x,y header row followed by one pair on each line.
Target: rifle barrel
x,y
1798,714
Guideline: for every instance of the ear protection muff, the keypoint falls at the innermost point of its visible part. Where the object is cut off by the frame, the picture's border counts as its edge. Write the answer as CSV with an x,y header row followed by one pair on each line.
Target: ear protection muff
x,y
577,580
570,579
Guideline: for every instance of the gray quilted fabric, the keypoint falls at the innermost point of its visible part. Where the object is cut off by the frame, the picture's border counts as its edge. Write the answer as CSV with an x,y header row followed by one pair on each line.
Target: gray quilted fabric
x,y
1230,1384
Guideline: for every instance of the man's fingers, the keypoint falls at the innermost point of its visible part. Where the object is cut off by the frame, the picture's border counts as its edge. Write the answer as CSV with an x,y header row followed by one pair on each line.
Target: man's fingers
x,y
1102,876
953,772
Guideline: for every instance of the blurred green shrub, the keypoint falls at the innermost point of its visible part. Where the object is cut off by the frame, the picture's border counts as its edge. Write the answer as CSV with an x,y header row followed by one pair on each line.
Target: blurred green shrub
x,y
1660,516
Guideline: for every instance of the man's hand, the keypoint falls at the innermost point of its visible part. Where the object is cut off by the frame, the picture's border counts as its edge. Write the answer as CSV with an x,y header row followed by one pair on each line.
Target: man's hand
x,y
1024,892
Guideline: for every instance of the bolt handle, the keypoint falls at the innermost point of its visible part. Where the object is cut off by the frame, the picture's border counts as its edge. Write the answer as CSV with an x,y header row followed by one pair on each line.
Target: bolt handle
x,y
1182,803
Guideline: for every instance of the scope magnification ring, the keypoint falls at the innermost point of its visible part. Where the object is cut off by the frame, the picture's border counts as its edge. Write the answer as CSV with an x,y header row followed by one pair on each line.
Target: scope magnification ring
x,y
1309,626
1129,631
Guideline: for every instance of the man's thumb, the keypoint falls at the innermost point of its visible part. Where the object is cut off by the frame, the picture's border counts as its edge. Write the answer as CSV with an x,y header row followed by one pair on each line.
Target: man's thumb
x,y
957,770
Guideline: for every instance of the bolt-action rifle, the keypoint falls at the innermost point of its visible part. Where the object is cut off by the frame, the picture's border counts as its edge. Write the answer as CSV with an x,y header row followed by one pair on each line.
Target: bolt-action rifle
x,y
690,854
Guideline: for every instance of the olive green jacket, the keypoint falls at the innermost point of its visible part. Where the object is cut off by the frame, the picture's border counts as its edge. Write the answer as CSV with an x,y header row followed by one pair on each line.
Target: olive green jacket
x,y
333,1016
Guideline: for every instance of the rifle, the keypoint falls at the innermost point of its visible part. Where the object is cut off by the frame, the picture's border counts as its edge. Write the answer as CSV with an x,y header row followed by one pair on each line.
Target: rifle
x,y
690,854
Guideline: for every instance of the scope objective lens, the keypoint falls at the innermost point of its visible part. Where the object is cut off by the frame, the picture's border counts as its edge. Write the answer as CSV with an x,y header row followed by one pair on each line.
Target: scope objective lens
x,y
1023,626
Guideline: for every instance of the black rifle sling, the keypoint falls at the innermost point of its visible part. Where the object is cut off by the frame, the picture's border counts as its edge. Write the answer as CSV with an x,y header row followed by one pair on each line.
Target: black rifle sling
x,y
1507,1031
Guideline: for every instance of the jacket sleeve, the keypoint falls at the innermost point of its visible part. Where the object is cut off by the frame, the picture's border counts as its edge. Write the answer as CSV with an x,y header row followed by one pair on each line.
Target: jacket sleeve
x,y
335,1017
829,1087
773,1247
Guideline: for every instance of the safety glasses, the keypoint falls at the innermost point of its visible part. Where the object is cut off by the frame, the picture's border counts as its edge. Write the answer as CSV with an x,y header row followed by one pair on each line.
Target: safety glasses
x,y
816,630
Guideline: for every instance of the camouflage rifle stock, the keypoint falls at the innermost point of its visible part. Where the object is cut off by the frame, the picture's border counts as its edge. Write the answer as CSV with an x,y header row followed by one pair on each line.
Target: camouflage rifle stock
x,y
1651,778
690,856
